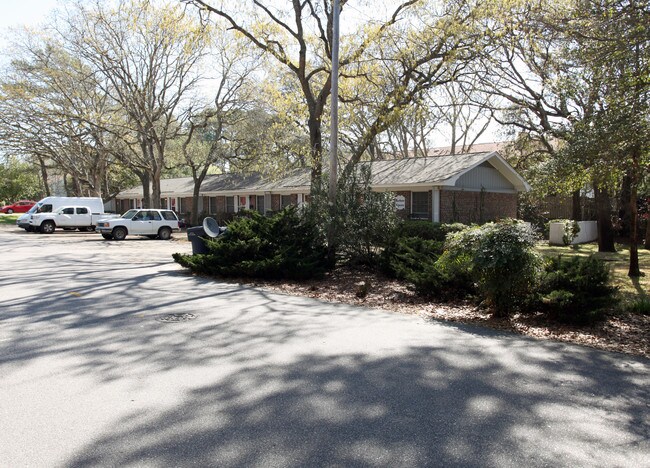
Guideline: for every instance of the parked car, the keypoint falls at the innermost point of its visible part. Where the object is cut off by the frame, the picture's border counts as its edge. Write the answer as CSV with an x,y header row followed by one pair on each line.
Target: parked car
x,y
140,222
67,217
21,206
51,204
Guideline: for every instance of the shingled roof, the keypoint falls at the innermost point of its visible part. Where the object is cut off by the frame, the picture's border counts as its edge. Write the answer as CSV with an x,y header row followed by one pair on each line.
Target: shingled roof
x,y
395,173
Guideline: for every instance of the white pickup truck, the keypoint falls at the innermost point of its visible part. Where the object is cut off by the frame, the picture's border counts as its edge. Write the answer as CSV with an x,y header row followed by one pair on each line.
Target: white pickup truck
x,y
67,217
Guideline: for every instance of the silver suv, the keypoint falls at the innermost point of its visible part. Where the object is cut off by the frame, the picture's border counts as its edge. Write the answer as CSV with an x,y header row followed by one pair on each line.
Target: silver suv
x,y
143,222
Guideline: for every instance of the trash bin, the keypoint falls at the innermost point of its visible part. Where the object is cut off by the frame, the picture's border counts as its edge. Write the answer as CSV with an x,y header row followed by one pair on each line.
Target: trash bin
x,y
196,235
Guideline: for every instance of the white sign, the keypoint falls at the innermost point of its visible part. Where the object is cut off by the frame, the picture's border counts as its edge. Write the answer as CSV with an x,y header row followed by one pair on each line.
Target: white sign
x,y
400,202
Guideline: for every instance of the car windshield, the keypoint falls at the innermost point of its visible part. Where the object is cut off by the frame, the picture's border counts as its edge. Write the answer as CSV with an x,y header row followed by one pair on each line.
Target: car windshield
x,y
33,209
129,214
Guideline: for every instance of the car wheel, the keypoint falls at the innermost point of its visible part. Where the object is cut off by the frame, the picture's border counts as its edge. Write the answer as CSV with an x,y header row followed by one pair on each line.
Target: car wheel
x,y
107,236
48,227
164,233
10,211
119,233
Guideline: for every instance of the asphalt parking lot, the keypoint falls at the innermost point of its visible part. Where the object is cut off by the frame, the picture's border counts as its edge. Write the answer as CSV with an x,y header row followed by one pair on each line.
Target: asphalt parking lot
x,y
112,355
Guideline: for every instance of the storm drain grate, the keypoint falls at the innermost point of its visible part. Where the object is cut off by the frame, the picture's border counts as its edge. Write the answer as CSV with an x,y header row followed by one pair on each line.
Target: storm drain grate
x,y
173,318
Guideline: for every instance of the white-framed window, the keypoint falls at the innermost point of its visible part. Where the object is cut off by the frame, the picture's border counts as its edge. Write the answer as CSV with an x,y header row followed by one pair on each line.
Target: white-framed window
x,y
285,201
230,204
260,204
420,204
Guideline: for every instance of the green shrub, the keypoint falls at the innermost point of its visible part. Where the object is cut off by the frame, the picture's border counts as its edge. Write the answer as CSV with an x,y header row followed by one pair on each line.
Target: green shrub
x,y
640,306
504,264
365,219
285,245
427,230
575,290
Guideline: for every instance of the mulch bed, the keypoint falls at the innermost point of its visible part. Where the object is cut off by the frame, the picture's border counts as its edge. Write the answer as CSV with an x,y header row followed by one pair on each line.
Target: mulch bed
x,y
624,332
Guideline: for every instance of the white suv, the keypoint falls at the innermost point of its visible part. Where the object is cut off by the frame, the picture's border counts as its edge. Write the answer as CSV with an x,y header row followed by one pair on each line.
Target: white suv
x,y
145,222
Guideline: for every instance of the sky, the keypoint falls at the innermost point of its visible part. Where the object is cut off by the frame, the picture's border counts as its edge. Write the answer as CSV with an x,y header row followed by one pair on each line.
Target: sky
x,y
29,12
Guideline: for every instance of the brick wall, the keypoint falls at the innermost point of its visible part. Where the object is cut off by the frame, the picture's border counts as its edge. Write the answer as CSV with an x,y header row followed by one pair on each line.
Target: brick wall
x,y
476,207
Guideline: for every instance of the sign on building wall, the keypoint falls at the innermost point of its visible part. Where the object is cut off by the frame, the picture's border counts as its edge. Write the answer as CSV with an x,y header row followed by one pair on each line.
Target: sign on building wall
x,y
400,202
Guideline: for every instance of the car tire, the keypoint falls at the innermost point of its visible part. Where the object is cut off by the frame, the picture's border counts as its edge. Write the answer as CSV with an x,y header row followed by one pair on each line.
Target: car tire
x,y
48,227
164,233
119,233
107,236
10,211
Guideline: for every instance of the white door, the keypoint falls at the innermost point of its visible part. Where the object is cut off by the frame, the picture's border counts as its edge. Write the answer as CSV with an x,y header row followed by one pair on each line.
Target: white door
x,y
141,224
65,217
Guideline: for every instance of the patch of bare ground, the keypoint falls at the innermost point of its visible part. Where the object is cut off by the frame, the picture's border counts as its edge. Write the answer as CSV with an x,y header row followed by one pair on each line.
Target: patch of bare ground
x,y
624,332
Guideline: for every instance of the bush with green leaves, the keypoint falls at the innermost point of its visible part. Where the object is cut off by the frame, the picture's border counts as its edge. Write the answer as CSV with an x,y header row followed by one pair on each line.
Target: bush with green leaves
x,y
575,290
285,245
499,258
365,220
413,252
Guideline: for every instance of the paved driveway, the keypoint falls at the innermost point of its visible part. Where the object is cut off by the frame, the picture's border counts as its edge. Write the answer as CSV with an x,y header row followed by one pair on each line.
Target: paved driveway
x,y
90,376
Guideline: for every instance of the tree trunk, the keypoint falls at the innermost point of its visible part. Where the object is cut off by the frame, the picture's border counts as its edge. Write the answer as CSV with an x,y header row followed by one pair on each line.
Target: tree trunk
x,y
146,188
155,190
44,177
634,270
647,232
576,209
194,220
603,213
316,151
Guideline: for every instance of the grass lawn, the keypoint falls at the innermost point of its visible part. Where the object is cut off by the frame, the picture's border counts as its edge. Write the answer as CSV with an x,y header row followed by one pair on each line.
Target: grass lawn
x,y
629,288
8,219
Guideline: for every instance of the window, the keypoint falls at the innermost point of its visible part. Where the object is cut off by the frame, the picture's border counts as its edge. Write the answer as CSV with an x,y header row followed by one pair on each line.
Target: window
x,y
45,209
82,210
230,204
169,215
420,204
154,216
260,204
67,211
286,201
213,205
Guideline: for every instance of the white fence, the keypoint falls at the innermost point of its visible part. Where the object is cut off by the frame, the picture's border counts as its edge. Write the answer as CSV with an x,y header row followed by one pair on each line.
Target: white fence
x,y
588,233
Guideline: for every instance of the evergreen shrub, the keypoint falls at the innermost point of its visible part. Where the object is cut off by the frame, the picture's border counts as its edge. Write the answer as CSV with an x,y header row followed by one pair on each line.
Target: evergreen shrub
x,y
576,290
285,245
497,258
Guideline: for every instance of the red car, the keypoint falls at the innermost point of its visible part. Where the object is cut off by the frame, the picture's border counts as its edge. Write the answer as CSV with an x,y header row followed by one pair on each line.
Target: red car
x,y
21,206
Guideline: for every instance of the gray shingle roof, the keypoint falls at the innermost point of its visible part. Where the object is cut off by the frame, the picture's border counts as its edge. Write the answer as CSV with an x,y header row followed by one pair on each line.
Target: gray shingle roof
x,y
431,171
441,170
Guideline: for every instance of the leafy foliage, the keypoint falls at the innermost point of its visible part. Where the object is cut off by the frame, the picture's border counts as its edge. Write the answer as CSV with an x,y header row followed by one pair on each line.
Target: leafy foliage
x,y
19,180
501,259
364,220
575,290
413,252
285,245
